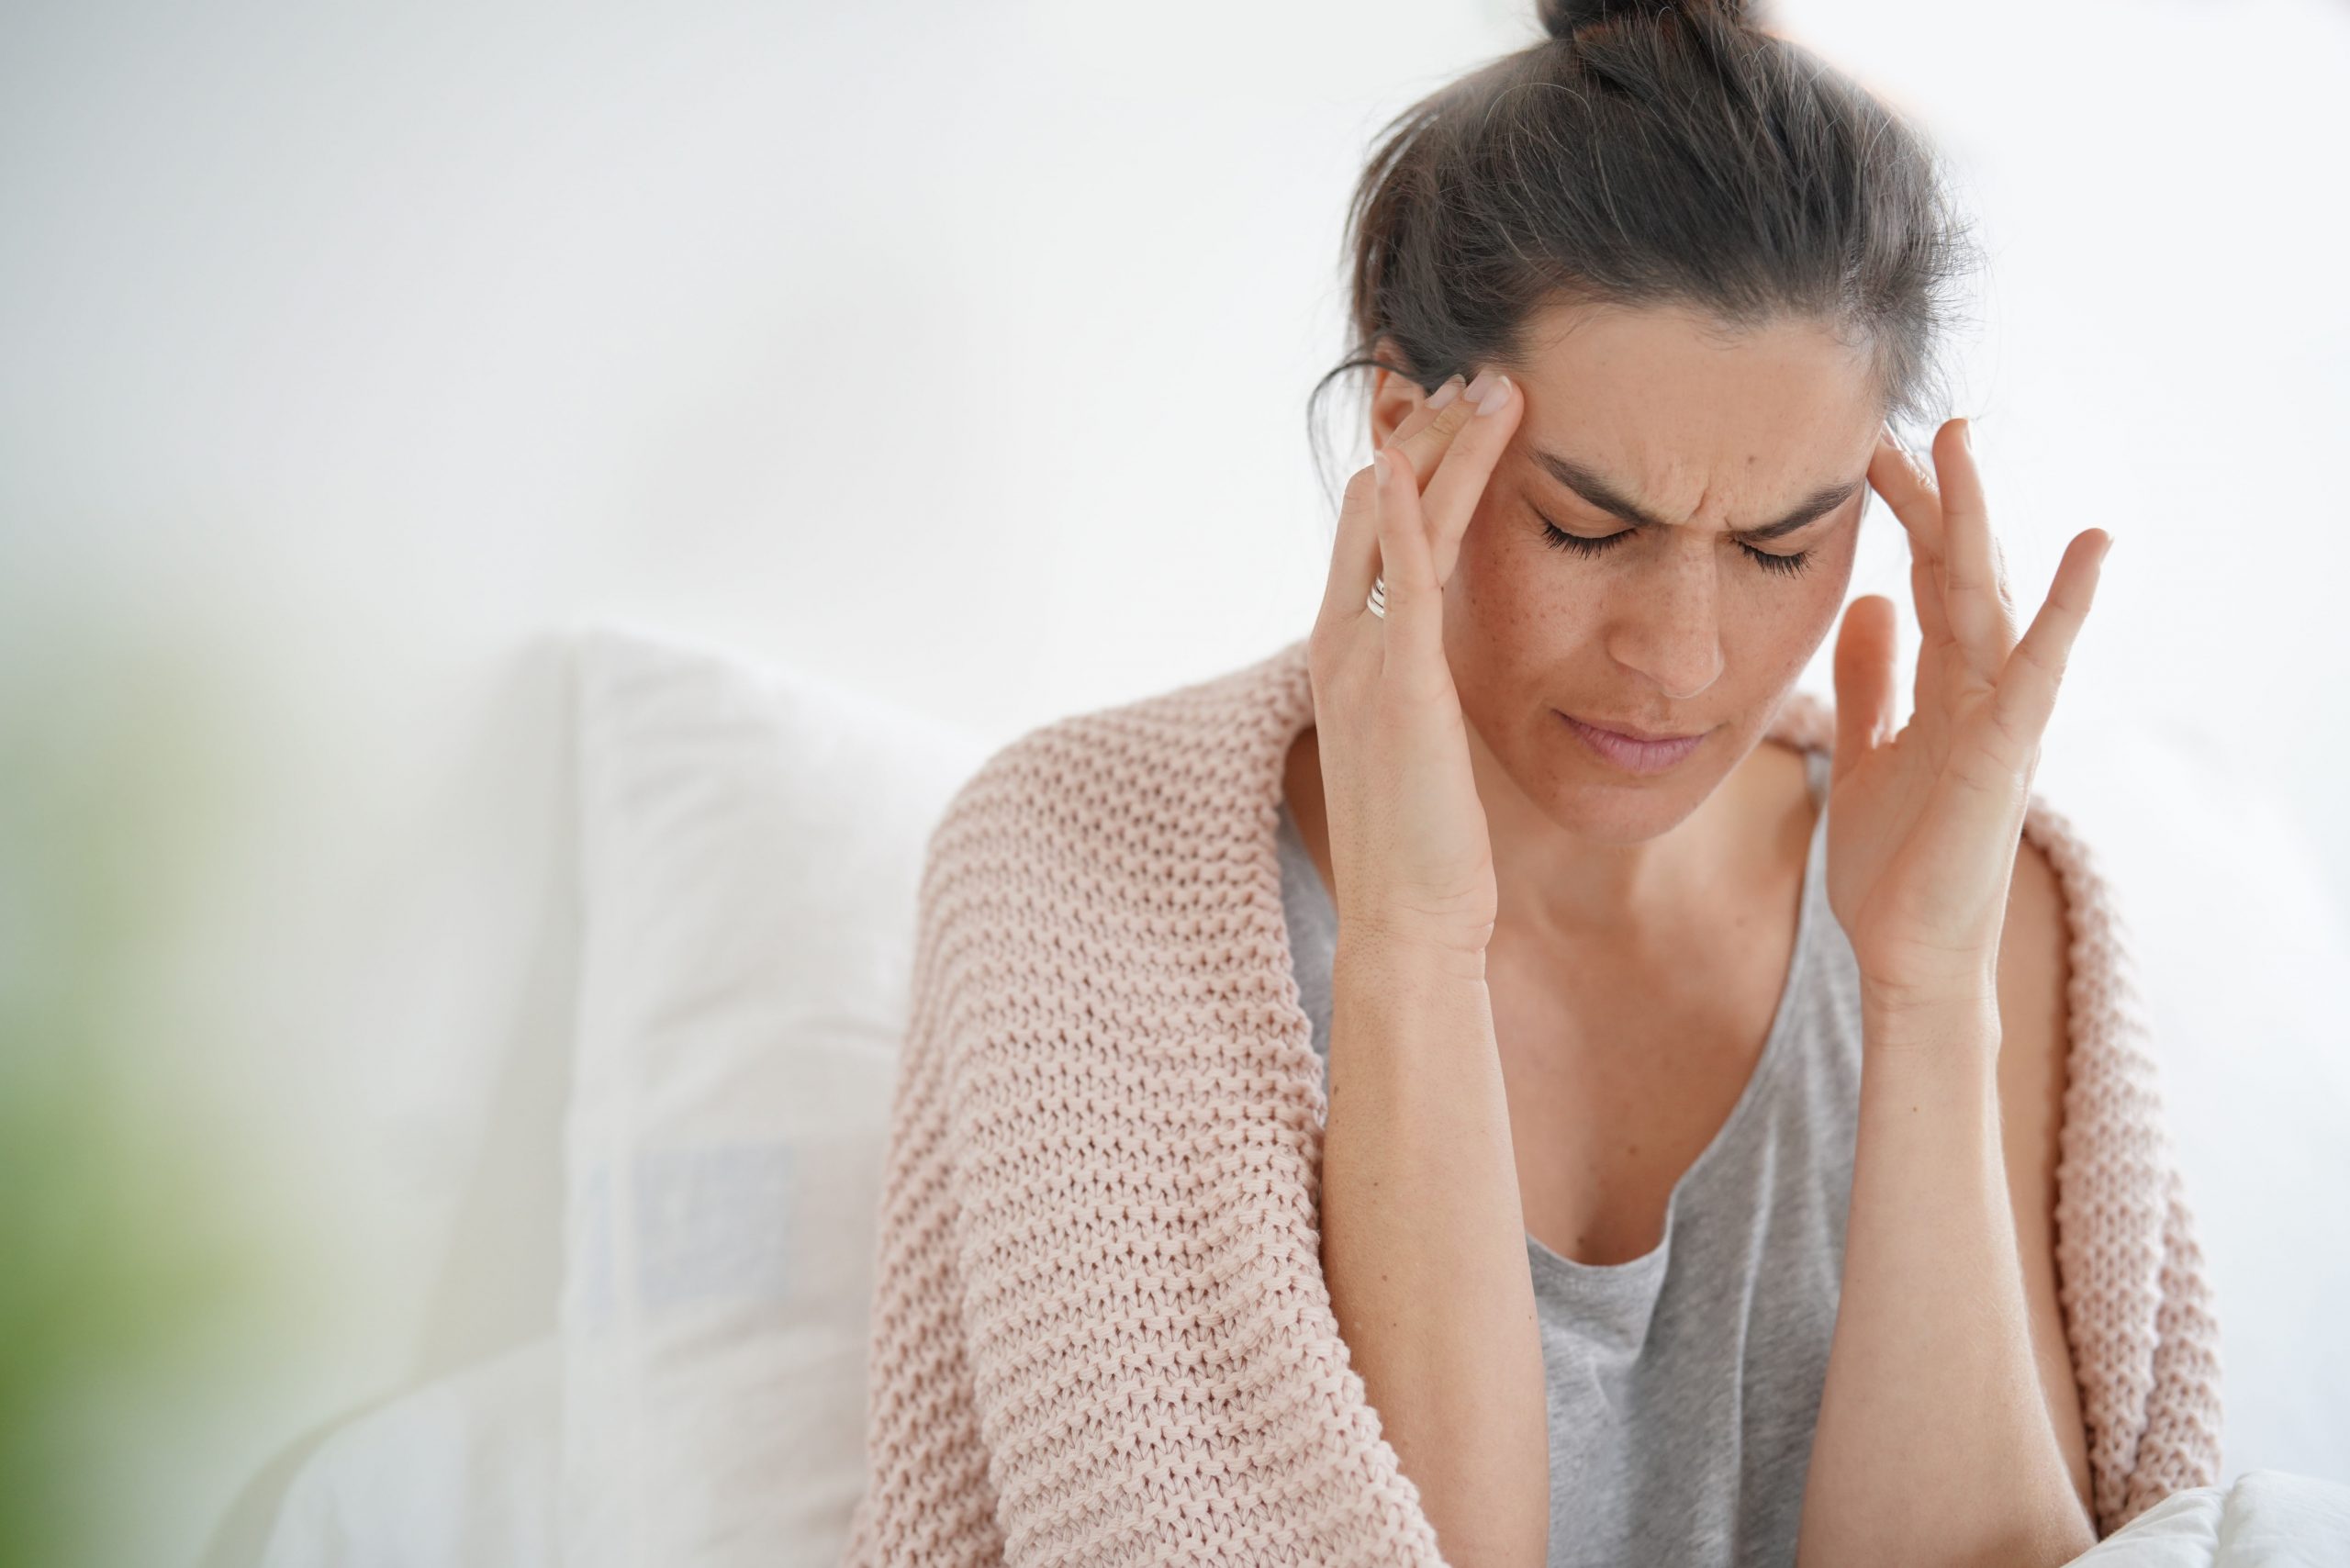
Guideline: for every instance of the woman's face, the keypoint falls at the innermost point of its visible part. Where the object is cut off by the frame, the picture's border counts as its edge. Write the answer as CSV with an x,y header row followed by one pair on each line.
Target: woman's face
x,y
1688,622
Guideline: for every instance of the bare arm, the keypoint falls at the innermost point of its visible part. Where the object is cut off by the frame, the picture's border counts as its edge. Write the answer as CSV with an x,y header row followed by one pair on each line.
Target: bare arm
x,y
1934,1443
1423,1237
1424,1246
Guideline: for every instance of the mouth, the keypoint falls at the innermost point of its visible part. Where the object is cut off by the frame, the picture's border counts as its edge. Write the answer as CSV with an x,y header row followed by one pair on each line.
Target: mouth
x,y
1641,753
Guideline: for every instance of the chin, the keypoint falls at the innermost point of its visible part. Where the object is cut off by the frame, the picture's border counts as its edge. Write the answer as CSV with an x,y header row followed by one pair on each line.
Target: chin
x,y
1608,806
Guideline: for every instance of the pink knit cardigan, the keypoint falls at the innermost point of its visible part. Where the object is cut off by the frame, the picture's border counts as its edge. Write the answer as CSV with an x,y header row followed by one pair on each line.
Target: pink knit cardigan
x,y
1101,1332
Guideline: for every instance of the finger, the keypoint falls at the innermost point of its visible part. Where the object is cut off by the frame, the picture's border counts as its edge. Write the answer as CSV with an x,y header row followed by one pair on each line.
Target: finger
x,y
1929,594
1974,594
2025,696
1934,640
1865,677
1465,468
1422,439
1415,599
1911,489
1354,552
1423,446
1420,418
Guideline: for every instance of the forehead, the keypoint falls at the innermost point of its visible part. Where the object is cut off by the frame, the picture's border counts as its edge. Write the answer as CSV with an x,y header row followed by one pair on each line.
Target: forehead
x,y
1677,405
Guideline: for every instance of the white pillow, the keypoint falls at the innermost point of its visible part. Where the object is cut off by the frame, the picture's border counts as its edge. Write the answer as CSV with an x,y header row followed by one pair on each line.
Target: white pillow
x,y
2265,1518
751,842
459,1473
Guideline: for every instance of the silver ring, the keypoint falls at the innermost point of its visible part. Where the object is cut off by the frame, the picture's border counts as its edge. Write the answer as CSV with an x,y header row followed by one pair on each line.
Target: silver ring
x,y
1378,599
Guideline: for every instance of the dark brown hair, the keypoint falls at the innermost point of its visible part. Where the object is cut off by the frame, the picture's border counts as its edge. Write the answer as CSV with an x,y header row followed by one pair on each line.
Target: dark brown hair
x,y
1653,153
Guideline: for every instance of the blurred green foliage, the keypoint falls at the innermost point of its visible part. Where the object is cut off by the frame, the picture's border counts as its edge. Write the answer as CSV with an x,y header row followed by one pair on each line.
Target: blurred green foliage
x,y
128,1256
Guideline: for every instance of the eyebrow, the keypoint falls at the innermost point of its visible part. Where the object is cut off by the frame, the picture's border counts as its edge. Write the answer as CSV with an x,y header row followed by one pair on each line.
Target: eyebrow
x,y
1593,487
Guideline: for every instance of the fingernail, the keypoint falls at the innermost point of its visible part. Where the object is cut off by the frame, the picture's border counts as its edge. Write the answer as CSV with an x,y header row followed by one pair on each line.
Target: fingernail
x,y
1966,435
1379,467
1495,395
2107,550
1446,393
1477,388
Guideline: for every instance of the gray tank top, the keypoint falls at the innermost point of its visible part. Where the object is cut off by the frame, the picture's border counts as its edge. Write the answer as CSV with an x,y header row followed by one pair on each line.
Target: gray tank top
x,y
1683,1385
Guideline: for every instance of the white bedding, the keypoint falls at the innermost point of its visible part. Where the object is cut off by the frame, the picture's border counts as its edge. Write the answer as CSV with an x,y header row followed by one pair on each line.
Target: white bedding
x,y
462,1474
2266,1518
459,1473
750,843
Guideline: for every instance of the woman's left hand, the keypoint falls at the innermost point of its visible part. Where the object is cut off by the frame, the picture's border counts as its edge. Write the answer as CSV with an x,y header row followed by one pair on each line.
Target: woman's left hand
x,y
1924,824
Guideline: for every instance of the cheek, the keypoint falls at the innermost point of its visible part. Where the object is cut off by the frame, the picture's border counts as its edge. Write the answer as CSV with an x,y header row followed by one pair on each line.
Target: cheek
x,y
1516,610
1514,601
1511,618
1772,628
1510,588
1816,598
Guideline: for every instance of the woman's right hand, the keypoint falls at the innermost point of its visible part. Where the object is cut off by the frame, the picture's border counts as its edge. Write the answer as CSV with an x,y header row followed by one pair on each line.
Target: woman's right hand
x,y
1409,849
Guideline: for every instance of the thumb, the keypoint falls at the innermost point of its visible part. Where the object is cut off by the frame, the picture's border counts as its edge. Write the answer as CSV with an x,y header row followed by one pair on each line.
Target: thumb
x,y
1864,670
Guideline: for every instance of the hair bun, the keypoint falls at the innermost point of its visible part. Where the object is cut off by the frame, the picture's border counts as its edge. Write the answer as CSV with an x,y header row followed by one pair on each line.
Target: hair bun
x,y
1561,17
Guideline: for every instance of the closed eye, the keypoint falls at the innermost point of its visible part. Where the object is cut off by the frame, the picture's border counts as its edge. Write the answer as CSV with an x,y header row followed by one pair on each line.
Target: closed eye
x,y
1558,539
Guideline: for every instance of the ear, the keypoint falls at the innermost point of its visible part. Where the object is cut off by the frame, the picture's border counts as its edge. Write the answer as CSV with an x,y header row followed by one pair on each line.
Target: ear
x,y
1393,395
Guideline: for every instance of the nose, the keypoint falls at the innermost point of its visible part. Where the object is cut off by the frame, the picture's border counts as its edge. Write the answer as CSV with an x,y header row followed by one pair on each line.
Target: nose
x,y
1667,625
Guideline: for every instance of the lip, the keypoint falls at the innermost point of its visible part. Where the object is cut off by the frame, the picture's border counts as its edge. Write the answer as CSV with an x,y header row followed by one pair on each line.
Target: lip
x,y
1636,754
1634,732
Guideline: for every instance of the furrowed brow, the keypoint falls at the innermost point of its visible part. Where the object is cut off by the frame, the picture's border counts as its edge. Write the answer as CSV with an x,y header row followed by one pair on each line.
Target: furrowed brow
x,y
1596,488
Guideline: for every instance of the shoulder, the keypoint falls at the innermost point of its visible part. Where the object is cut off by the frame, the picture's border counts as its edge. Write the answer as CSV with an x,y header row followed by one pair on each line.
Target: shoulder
x,y
1102,793
2034,1050
2034,1018
1162,736
1787,762
2034,1028
2032,946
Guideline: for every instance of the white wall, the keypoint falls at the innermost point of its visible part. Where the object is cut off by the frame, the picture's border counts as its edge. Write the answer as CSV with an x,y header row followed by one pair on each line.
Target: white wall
x,y
346,357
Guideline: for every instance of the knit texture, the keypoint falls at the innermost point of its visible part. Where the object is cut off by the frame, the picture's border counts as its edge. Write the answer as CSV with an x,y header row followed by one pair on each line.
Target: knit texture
x,y
1101,1332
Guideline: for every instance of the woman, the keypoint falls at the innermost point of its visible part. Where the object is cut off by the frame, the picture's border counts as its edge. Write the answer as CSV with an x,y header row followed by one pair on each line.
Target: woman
x,y
1449,1091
